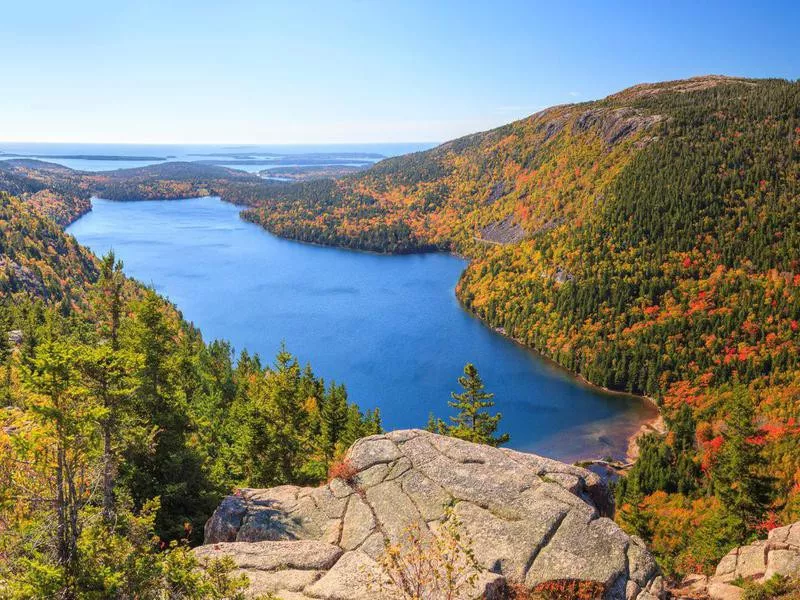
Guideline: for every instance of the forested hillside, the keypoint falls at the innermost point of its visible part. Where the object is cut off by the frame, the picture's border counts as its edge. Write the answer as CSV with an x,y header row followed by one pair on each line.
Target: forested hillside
x,y
121,429
649,242
45,186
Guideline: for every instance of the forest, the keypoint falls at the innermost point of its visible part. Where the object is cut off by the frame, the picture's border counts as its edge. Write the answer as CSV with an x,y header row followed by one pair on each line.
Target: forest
x,y
659,254
649,242
121,429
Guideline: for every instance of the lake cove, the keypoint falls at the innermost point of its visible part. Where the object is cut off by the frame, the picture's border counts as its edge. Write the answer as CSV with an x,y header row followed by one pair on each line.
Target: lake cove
x,y
388,327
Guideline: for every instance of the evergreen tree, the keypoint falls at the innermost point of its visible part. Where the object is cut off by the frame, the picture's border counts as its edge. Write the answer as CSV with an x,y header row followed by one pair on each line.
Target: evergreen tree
x,y
353,428
110,298
170,467
333,420
686,471
66,415
108,375
106,369
436,425
372,422
738,476
473,422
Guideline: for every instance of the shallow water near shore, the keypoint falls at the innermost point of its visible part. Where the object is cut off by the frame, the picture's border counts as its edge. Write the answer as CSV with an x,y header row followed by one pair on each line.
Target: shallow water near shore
x,y
389,327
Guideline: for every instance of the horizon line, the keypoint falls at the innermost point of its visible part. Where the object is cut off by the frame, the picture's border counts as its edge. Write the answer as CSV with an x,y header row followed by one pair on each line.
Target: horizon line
x,y
222,143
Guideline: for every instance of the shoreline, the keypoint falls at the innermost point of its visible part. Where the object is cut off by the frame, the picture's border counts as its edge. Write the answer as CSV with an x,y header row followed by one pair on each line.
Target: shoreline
x,y
656,425
653,424
650,423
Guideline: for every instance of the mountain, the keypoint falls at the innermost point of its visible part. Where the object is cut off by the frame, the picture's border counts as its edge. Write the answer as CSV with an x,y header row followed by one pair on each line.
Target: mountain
x,y
600,230
649,242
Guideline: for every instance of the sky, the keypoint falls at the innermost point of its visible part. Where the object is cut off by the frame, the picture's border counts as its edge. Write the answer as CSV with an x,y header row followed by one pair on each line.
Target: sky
x,y
359,71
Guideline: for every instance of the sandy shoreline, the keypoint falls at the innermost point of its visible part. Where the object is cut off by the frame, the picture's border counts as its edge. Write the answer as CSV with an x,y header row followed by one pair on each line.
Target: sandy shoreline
x,y
655,425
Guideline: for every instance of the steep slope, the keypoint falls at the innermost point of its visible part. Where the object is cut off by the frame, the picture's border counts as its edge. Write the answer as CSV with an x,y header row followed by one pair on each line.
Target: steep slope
x,y
534,173
37,258
649,242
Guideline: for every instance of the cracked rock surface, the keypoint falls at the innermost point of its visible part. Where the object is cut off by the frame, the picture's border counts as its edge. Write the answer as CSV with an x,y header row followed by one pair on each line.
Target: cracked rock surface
x,y
531,520
779,554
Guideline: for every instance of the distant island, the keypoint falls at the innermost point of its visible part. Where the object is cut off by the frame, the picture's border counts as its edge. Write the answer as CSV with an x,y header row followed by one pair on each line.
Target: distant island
x,y
284,160
296,156
309,172
81,156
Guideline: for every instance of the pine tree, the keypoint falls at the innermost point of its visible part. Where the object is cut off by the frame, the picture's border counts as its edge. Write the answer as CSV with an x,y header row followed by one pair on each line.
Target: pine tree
x,y
473,422
106,369
171,467
108,374
372,422
738,478
67,417
685,469
353,428
333,419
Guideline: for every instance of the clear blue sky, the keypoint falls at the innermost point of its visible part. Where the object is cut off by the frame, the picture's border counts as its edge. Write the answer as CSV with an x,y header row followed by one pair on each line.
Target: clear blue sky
x,y
354,71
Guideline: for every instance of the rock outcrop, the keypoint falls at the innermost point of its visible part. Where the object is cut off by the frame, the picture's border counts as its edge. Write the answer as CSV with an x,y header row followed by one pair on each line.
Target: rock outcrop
x,y
779,554
531,520
506,231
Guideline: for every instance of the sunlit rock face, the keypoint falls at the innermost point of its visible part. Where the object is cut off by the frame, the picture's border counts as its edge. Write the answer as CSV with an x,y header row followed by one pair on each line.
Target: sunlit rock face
x,y
530,520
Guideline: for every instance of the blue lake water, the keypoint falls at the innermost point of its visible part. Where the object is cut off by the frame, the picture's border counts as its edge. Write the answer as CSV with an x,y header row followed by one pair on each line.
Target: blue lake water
x,y
389,327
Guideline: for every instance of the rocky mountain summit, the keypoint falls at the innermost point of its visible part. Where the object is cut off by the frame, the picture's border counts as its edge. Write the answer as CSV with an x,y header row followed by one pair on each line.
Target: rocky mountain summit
x,y
531,521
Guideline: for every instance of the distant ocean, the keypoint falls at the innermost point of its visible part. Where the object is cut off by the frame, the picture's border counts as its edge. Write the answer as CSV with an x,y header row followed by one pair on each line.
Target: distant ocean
x,y
252,158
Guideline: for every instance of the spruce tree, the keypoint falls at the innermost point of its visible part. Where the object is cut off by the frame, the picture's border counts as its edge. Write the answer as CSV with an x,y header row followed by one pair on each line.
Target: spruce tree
x,y
473,423
107,369
738,476
333,419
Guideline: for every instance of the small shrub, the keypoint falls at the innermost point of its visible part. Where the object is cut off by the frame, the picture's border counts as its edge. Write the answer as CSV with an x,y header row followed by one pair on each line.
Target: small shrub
x,y
775,587
569,589
343,469
437,565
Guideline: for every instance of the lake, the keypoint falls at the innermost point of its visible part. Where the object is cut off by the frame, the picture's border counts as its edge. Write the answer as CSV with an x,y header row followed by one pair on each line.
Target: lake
x,y
389,327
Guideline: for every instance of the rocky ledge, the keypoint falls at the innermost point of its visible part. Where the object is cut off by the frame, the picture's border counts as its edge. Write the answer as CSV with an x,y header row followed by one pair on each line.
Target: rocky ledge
x,y
531,521
779,554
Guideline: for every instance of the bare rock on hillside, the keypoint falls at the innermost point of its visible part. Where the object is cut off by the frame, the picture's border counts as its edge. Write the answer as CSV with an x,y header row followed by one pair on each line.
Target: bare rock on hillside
x,y
615,124
531,520
19,278
507,231
779,554
692,84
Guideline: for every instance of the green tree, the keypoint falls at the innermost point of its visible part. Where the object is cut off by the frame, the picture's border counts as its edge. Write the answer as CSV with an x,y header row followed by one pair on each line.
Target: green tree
x,y
108,375
738,476
333,419
170,466
110,297
67,417
275,422
473,422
